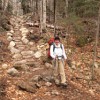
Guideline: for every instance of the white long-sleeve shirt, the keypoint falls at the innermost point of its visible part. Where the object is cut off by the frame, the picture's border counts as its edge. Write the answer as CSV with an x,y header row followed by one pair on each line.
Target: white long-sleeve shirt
x,y
58,51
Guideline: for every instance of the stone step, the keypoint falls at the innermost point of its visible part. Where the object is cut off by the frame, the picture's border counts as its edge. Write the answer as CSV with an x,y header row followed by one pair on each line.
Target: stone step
x,y
20,46
17,38
23,61
18,42
17,56
28,57
27,53
16,34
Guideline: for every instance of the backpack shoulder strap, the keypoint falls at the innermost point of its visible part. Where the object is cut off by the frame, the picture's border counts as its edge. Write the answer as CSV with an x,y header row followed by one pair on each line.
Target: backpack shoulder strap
x,y
53,46
61,46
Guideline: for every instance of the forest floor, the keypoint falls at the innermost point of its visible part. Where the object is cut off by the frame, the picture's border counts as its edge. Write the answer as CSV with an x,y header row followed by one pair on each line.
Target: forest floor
x,y
33,81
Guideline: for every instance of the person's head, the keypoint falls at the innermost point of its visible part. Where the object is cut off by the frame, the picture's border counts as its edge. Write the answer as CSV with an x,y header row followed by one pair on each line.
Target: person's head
x,y
57,40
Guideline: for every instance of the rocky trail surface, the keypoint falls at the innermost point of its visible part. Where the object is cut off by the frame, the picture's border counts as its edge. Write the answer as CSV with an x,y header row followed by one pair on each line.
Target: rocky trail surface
x,y
29,77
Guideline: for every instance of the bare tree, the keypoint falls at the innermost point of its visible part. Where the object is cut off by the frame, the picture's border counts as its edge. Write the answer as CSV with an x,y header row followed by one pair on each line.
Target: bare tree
x,y
66,8
96,43
54,17
42,15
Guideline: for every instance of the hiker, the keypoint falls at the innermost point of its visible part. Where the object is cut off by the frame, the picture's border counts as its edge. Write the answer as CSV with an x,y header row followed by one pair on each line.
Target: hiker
x,y
57,52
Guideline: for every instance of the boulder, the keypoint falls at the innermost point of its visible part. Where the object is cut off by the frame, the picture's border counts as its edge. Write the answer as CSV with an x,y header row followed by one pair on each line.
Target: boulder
x,y
17,56
48,65
55,92
13,72
25,40
36,78
48,84
12,44
96,65
11,31
31,43
9,38
4,66
20,66
24,30
17,38
27,87
73,65
38,54
9,34
20,62
14,50
48,78
27,53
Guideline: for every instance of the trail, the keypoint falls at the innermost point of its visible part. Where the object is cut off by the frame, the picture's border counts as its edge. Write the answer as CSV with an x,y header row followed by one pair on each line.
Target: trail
x,y
23,56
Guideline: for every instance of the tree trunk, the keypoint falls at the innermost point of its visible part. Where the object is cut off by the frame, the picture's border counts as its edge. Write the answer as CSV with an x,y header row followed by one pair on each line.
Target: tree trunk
x,y
41,16
54,18
44,14
96,43
66,8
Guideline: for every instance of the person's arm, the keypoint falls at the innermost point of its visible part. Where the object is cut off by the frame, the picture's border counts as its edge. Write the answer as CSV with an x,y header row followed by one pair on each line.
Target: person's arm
x,y
64,54
51,52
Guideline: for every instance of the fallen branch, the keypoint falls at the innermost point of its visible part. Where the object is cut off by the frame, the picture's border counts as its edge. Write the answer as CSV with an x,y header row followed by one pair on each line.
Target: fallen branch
x,y
48,26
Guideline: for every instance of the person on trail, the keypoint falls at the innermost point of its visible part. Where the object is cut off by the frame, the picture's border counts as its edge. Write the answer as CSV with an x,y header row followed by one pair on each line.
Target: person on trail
x,y
57,52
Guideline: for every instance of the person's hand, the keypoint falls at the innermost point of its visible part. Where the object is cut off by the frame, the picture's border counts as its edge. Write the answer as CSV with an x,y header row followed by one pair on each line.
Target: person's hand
x,y
56,57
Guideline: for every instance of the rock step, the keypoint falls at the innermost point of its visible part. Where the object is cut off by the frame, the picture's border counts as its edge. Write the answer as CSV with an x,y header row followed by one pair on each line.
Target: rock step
x,y
18,42
21,48
17,36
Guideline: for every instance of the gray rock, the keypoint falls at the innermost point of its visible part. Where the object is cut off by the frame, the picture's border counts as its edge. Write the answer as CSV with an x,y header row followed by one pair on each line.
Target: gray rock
x,y
28,57
27,53
27,87
48,78
12,31
9,34
21,62
57,82
12,44
48,93
38,54
55,92
96,65
13,72
48,84
16,56
48,65
73,65
9,38
14,50
21,48
17,38
20,66
36,78
4,66
25,40
31,43
18,42
24,30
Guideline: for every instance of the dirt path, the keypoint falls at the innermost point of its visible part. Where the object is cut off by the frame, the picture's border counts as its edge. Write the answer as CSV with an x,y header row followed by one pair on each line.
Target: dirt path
x,y
33,82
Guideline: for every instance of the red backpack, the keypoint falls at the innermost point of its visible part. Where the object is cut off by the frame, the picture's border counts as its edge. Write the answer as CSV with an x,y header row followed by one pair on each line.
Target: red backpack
x,y
50,42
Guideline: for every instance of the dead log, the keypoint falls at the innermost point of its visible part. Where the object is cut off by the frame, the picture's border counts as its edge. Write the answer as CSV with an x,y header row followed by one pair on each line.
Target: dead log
x,y
47,25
